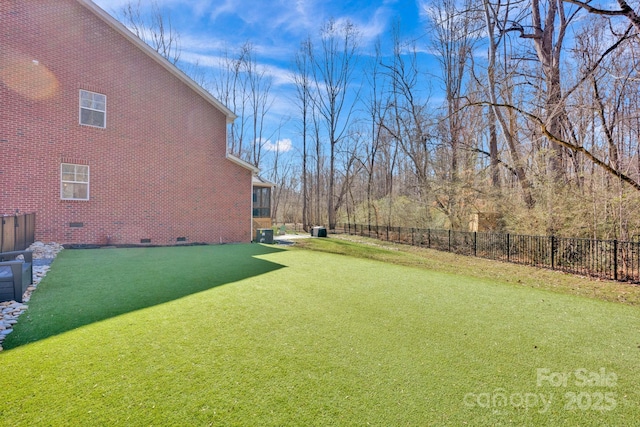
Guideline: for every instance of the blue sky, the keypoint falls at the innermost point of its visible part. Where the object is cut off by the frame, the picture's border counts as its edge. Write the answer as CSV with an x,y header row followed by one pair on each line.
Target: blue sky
x,y
276,28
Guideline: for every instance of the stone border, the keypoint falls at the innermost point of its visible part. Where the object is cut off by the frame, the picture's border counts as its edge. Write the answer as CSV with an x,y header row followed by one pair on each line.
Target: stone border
x,y
43,256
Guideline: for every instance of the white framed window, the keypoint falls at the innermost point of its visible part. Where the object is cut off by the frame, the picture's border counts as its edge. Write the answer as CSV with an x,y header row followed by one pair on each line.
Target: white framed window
x,y
74,182
93,109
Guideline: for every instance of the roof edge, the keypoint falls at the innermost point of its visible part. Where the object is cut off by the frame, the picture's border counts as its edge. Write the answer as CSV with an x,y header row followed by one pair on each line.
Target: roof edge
x,y
238,161
259,181
124,31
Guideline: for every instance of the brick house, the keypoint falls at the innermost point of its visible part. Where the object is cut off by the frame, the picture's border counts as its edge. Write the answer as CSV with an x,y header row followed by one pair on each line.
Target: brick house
x,y
107,141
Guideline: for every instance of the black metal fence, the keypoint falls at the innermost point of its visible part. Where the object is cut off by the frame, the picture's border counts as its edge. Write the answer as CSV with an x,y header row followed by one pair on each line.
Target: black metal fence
x,y
607,259
17,232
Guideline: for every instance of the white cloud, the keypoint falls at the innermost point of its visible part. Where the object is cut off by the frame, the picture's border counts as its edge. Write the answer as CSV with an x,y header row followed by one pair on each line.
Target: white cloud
x,y
372,27
279,76
115,6
111,5
228,6
281,146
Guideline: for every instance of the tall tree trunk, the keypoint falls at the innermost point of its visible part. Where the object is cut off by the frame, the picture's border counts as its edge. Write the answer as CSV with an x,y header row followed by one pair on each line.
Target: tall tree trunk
x,y
505,129
548,45
493,151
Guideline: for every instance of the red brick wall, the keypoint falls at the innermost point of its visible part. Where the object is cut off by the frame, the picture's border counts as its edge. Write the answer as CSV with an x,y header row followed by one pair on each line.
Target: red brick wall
x,y
158,171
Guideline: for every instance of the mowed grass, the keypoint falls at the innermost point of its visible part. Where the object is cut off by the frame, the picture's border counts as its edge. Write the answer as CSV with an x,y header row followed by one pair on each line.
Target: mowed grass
x,y
257,335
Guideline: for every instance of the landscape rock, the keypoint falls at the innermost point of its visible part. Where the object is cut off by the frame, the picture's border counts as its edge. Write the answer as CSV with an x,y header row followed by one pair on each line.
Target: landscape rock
x,y
43,256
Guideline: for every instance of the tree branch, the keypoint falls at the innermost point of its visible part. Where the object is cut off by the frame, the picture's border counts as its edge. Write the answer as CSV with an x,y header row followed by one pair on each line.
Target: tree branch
x,y
486,153
575,148
625,10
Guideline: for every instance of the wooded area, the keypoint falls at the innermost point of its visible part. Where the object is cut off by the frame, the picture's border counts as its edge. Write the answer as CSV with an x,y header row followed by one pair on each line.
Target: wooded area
x,y
529,122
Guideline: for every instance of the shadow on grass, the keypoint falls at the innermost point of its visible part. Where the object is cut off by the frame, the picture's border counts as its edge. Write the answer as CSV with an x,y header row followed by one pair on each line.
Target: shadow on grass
x,y
90,285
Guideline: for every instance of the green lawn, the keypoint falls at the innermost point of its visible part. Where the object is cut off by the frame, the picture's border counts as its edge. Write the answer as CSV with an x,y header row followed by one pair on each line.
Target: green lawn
x,y
261,335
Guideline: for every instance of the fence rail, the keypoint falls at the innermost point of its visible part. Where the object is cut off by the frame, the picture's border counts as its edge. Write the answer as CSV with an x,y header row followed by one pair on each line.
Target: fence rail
x,y
606,259
17,232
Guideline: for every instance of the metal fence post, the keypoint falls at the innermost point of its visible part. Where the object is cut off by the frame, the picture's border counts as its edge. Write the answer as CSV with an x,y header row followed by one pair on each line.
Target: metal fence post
x,y
553,252
615,260
475,243
449,240
508,247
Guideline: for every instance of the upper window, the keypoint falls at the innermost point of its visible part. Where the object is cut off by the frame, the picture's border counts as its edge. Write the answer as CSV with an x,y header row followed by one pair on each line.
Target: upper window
x,y
93,109
74,182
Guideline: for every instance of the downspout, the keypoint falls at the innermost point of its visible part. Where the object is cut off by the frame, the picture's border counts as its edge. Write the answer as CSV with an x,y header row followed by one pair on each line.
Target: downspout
x,y
251,212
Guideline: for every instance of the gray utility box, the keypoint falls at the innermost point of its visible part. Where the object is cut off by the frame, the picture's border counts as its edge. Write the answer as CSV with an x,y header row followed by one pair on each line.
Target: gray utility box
x,y
264,235
318,232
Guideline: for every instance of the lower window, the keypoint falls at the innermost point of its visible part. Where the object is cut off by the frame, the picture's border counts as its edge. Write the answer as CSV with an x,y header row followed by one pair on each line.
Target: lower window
x,y
74,182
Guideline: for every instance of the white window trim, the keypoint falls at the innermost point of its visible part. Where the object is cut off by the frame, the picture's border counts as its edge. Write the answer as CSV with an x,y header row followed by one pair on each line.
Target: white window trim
x,y
62,182
80,108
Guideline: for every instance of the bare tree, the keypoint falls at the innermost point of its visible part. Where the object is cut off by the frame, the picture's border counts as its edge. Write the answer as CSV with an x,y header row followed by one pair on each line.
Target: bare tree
x,y
258,85
376,104
244,86
229,86
455,27
319,166
283,176
408,120
301,78
492,15
155,29
332,71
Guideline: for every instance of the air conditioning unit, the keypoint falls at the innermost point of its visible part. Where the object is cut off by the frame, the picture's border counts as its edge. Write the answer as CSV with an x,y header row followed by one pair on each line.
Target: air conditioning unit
x,y
264,235
319,232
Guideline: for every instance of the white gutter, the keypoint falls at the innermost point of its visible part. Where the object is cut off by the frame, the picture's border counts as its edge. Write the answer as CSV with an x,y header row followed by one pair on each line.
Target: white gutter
x,y
238,161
